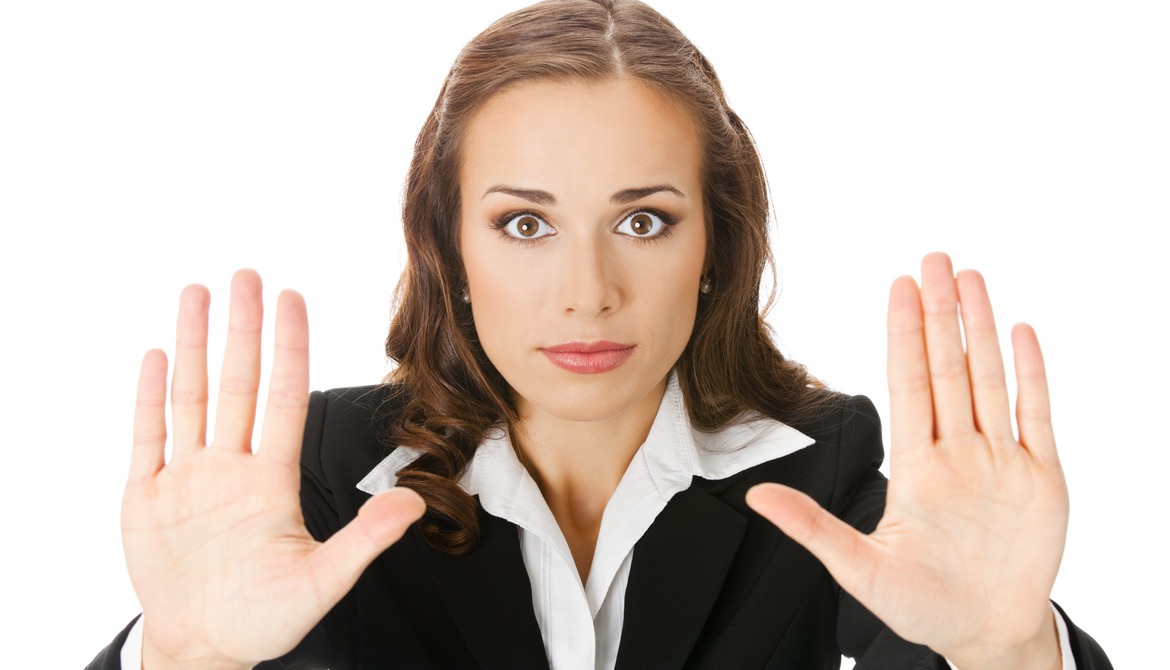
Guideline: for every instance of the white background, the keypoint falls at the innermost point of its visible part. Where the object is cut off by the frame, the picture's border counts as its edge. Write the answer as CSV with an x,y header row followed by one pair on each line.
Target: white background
x,y
144,146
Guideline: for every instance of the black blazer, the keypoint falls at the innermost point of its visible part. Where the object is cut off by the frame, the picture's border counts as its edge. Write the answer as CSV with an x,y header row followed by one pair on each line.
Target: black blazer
x,y
712,584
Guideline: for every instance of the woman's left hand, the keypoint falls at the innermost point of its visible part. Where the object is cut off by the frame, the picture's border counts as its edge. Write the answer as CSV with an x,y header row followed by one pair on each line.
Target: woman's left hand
x,y
965,556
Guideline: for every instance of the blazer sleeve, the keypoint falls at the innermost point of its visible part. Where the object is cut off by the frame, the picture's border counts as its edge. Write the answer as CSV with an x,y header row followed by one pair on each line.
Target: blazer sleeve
x,y
859,499
110,658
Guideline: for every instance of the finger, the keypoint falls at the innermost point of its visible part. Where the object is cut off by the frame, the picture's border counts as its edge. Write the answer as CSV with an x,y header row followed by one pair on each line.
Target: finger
x,y
150,425
912,414
288,388
239,380
189,384
1033,411
984,361
846,553
380,522
951,389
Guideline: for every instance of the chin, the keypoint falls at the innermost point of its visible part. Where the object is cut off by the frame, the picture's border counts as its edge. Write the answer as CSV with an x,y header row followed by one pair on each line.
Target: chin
x,y
585,410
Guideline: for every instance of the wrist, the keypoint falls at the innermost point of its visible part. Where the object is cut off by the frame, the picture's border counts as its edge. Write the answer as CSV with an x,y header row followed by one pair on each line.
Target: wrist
x,y
154,658
1041,651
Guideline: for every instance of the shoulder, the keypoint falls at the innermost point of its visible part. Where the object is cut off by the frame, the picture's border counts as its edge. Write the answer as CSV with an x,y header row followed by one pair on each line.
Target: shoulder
x,y
353,413
846,429
840,419
839,469
347,433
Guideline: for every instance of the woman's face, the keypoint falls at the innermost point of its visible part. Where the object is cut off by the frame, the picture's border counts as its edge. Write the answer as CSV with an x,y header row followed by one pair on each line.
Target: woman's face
x,y
584,239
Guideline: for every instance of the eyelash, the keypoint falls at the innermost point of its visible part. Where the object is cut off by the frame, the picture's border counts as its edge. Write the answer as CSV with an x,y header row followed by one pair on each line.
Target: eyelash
x,y
501,222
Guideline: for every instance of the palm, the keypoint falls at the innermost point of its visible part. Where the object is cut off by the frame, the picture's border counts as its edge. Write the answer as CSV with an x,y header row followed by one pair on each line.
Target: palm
x,y
217,550
222,506
968,548
950,520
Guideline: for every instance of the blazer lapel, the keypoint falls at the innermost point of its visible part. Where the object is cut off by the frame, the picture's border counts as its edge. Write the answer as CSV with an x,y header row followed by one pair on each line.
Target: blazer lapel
x,y
677,573
488,595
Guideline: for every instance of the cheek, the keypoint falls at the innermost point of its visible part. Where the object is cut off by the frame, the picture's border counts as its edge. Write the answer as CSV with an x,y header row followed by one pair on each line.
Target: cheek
x,y
502,305
680,305
496,304
674,311
665,297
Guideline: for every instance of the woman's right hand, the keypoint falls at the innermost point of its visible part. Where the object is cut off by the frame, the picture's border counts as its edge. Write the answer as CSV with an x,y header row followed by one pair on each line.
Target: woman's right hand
x,y
215,542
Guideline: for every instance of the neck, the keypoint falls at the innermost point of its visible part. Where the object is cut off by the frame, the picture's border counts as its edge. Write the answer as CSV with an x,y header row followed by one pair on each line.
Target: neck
x,y
577,464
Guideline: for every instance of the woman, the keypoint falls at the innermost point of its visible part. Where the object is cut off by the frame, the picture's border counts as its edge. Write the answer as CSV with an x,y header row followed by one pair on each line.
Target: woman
x,y
579,346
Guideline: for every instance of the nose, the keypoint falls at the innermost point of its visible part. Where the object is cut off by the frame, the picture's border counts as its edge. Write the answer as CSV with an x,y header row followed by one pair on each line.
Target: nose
x,y
588,280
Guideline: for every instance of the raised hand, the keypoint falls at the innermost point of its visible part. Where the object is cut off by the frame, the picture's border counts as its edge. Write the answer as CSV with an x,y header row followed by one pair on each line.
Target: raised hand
x,y
215,543
967,551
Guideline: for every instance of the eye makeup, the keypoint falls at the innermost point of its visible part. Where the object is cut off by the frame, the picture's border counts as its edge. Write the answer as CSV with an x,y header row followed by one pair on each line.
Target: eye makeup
x,y
503,225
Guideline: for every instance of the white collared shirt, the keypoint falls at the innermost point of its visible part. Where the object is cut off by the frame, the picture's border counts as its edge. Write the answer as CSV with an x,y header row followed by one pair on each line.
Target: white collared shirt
x,y
581,624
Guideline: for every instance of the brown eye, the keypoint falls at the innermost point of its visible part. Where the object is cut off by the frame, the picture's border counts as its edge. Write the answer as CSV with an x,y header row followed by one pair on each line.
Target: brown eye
x,y
642,224
526,227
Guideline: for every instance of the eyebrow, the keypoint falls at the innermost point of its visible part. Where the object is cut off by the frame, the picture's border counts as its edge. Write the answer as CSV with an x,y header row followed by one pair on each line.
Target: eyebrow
x,y
623,197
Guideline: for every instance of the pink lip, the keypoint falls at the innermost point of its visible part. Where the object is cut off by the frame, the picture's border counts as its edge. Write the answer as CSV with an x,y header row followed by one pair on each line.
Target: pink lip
x,y
588,357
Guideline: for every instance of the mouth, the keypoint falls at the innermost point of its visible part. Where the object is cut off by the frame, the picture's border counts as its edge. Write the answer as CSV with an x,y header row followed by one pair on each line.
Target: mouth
x,y
588,357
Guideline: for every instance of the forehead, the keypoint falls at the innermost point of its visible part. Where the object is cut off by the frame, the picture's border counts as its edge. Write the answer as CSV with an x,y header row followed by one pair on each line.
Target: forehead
x,y
576,134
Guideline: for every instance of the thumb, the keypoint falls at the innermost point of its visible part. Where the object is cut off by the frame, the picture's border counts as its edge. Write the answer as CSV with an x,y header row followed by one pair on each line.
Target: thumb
x,y
380,522
845,552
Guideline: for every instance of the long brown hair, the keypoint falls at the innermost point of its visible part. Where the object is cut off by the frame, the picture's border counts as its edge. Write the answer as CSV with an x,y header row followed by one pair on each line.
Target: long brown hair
x,y
455,395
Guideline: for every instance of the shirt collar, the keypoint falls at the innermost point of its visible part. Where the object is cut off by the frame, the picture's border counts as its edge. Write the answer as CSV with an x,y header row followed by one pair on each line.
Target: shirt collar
x,y
674,453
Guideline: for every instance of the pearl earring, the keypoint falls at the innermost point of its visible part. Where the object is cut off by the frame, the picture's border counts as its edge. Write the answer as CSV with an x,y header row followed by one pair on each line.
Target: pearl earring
x,y
466,297
705,284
